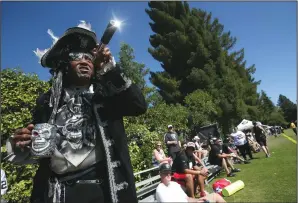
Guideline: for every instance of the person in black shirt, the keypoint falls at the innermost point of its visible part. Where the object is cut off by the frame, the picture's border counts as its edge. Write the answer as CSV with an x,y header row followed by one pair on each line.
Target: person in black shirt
x,y
217,157
172,142
185,169
261,138
228,150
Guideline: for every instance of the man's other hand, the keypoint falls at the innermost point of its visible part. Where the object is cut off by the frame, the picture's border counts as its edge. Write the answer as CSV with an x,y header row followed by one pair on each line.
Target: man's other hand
x,y
22,137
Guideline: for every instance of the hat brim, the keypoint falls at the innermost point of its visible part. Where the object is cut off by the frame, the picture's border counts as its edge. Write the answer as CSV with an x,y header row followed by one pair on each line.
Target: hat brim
x,y
74,39
165,170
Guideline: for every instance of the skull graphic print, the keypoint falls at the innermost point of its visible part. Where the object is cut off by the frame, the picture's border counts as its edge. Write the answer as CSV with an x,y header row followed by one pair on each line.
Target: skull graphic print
x,y
44,140
76,127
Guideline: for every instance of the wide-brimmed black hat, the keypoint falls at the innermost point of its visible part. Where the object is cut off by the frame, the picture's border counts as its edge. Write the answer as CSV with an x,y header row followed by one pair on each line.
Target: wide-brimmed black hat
x,y
74,39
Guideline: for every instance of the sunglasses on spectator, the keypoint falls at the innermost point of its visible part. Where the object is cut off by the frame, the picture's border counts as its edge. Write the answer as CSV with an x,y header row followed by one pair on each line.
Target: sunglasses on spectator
x,y
77,56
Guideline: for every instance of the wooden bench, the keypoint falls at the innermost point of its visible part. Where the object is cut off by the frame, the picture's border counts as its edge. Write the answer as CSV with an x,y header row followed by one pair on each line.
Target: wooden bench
x,y
146,188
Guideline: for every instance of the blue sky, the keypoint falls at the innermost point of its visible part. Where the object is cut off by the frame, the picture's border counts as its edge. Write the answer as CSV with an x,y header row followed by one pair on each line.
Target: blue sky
x,y
267,31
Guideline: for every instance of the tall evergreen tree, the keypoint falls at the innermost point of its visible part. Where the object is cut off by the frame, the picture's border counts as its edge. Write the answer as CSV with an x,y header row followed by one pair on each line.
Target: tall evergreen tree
x,y
288,108
134,70
196,53
265,107
137,73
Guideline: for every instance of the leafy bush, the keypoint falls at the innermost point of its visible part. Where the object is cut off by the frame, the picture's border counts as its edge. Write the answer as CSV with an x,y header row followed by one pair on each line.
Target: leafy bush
x,y
19,92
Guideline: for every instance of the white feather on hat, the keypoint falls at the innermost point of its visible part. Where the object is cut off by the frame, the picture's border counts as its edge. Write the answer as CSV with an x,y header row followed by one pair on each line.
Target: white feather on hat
x,y
40,52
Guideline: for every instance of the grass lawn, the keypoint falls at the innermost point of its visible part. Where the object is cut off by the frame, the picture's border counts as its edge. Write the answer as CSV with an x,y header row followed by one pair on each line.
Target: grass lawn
x,y
271,179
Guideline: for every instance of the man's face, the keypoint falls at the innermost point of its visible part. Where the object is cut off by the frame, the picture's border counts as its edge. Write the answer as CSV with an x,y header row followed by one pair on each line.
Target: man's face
x,y
81,66
218,142
165,177
170,129
190,151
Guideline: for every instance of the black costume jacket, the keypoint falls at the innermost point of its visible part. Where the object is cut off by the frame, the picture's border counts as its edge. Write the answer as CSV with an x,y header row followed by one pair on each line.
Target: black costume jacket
x,y
109,108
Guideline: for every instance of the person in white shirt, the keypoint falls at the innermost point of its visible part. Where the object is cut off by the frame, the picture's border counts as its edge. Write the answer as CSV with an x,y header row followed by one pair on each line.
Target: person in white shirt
x,y
3,183
169,191
241,143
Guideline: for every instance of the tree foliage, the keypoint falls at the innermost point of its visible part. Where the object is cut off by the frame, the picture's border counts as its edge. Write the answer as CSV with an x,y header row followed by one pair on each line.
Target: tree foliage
x,y
201,107
288,108
134,70
203,81
137,72
196,54
19,92
265,107
160,116
277,118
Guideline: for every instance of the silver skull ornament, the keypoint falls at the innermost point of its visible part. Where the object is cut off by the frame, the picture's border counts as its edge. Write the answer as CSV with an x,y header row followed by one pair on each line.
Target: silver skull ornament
x,y
44,140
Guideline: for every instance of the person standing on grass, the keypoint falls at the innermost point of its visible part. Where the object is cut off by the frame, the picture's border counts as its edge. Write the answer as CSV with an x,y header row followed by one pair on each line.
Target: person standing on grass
x,y
172,142
261,138
293,126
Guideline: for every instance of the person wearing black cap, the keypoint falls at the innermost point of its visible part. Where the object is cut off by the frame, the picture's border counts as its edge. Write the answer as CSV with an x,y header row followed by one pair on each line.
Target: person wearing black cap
x,y
217,157
88,99
228,150
260,137
186,170
172,142
170,191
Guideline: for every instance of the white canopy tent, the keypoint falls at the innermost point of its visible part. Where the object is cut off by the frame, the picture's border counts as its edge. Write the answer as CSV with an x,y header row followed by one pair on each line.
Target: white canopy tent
x,y
245,125
248,125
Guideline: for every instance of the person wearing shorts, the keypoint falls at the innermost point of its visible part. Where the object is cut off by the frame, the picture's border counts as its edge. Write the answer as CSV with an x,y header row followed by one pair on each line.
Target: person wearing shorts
x,y
261,138
217,157
186,171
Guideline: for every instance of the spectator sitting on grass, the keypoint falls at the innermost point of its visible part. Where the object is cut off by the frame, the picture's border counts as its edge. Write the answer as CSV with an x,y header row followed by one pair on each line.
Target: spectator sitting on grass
x,y
217,157
169,191
228,150
159,156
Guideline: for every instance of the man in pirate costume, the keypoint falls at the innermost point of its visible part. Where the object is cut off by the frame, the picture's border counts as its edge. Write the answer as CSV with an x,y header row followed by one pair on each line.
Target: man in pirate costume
x,y
86,104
